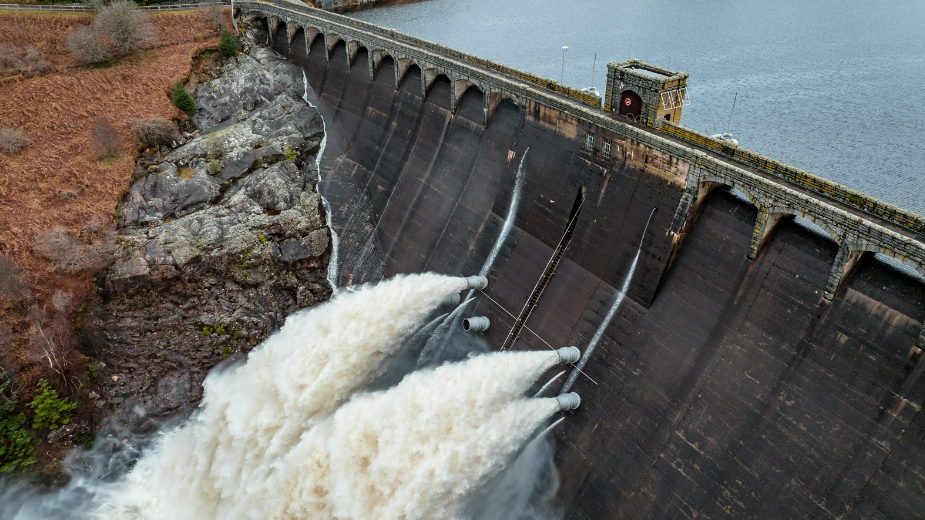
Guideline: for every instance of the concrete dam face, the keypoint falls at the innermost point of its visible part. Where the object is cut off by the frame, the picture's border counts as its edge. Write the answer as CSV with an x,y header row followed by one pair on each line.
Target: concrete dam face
x,y
722,388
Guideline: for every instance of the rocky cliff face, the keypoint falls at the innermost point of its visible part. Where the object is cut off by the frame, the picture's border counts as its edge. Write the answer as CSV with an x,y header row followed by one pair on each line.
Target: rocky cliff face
x,y
220,239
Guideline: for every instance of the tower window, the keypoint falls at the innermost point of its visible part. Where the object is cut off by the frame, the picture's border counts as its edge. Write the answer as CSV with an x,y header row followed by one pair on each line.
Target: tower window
x,y
668,117
605,148
589,141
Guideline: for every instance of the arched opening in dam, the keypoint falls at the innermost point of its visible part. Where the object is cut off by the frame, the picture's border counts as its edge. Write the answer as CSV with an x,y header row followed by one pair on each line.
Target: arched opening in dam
x,y
725,385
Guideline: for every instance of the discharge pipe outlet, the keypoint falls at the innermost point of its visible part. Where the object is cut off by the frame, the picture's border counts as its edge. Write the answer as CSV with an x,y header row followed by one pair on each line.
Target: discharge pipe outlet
x,y
476,324
568,401
476,282
568,354
452,299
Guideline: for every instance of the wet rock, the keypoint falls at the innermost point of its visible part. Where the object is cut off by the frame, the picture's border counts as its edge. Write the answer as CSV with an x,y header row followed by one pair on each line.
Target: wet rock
x,y
235,167
315,244
220,240
276,188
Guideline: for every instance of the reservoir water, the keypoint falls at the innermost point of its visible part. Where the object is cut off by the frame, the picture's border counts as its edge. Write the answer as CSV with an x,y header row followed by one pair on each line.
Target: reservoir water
x,y
831,88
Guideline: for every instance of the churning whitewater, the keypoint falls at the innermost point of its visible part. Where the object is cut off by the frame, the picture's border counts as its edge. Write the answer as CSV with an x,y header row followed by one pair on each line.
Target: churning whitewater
x,y
294,432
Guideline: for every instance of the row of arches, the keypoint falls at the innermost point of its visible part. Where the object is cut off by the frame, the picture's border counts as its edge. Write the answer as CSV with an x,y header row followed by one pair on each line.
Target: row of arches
x,y
772,212
283,35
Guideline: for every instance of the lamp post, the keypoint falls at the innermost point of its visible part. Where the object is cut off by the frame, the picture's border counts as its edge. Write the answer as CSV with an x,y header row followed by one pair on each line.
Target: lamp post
x,y
562,73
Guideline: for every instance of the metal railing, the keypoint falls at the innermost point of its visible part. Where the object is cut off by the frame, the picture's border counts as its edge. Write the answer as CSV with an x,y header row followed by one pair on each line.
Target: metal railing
x,y
54,7
81,8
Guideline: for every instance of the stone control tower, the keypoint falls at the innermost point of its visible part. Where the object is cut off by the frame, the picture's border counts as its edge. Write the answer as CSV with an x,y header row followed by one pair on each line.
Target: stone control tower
x,y
644,92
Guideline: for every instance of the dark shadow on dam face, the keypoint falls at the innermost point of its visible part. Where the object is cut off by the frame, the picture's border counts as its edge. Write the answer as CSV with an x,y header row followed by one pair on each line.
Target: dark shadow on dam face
x,y
722,388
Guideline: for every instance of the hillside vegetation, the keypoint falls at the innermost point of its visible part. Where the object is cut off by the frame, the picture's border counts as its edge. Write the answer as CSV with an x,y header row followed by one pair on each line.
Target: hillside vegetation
x,y
59,191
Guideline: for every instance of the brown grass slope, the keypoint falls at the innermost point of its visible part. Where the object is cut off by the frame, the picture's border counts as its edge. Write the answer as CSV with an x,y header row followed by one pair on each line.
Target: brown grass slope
x,y
58,180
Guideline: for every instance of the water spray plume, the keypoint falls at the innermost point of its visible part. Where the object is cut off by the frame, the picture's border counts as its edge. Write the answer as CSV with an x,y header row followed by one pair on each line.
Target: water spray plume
x,y
254,414
434,346
618,300
505,228
291,434
415,451
549,383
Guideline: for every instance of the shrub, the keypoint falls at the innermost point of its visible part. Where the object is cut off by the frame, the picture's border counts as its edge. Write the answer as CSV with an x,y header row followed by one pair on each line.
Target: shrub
x,y
17,444
182,99
106,139
155,131
88,46
51,411
118,29
227,45
11,282
128,28
28,61
12,140
71,255
32,63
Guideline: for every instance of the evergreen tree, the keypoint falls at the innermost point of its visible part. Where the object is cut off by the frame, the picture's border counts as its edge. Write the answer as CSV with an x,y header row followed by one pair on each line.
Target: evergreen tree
x,y
51,410
228,46
182,99
17,444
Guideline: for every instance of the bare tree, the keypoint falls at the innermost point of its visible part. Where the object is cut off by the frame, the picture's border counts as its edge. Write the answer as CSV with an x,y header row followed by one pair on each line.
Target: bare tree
x,y
33,63
53,342
62,300
7,56
29,61
129,28
88,46
118,29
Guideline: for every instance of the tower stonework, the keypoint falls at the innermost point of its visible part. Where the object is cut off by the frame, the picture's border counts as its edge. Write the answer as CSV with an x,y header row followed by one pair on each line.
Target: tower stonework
x,y
644,92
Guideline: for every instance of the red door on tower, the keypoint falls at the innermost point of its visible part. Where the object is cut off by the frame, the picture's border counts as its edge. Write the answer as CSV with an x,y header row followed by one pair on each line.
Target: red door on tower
x,y
630,104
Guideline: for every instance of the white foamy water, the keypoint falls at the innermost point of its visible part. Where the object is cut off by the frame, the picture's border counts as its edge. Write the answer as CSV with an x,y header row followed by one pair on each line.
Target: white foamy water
x,y
253,415
291,434
418,450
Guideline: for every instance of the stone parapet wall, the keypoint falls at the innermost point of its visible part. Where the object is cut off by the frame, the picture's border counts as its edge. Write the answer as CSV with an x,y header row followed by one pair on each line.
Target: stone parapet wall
x,y
804,179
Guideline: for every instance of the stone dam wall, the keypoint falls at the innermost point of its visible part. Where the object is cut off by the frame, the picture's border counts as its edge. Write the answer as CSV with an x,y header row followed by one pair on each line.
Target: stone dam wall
x,y
728,385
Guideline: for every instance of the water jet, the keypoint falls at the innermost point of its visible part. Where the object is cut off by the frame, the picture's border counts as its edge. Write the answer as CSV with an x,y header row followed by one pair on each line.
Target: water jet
x,y
548,384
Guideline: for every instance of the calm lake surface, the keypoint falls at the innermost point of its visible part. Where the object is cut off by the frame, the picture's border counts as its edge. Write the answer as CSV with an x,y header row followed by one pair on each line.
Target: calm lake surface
x,y
834,88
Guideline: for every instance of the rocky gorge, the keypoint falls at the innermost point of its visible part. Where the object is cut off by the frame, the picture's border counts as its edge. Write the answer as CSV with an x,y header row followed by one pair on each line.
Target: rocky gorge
x,y
219,239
